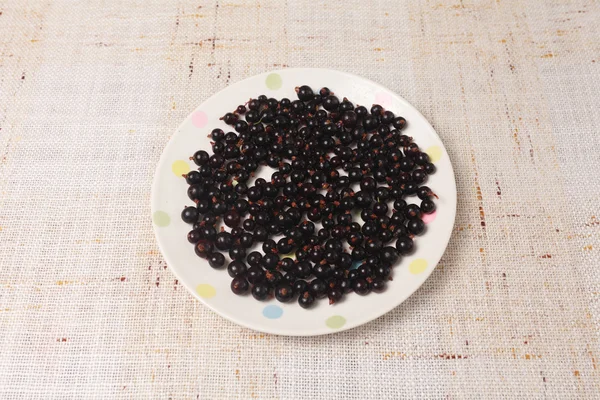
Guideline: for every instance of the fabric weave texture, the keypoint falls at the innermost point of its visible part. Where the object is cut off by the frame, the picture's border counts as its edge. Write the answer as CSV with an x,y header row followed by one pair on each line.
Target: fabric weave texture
x,y
90,93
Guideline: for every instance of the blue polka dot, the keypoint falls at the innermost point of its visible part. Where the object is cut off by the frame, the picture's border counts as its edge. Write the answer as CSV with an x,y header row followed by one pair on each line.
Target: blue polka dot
x,y
356,264
272,312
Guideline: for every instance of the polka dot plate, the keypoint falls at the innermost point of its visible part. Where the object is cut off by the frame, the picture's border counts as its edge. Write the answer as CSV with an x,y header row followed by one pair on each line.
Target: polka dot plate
x,y
212,287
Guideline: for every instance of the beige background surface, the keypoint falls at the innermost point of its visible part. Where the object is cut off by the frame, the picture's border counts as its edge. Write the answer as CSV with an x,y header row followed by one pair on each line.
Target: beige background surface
x,y
90,93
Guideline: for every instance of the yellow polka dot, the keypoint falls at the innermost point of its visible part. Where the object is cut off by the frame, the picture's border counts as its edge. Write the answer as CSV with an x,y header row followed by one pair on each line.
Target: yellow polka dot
x,y
161,218
335,322
180,167
206,291
291,255
417,266
273,81
435,153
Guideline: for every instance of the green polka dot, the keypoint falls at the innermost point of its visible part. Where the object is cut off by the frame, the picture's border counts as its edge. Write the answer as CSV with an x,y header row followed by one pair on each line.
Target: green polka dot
x,y
335,322
180,167
206,291
417,266
161,218
273,81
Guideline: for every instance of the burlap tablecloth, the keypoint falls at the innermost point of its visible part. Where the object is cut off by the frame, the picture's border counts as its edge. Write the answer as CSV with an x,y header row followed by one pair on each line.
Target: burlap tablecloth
x,y
90,93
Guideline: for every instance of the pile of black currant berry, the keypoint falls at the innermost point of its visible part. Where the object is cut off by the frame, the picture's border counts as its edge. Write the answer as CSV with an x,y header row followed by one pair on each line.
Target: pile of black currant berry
x,y
331,161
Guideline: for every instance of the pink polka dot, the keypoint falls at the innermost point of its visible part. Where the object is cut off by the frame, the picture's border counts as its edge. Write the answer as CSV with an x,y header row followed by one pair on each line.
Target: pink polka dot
x,y
199,119
428,218
383,99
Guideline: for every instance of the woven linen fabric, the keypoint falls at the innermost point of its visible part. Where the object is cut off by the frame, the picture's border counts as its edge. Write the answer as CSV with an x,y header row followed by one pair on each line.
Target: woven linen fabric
x,y
90,93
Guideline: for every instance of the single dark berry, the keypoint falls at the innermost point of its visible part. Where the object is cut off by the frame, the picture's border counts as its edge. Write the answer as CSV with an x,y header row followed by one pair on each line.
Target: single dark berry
x,y
407,164
349,119
246,240
404,245
236,268
361,111
427,206
399,123
364,271
387,117
237,253
331,103
287,264
255,274
274,278
334,244
368,184
373,245
254,193
260,234
361,286
429,168
345,261
345,285
421,158
346,105
231,219
285,245
193,177
415,226
230,118
306,299
219,207
424,193
190,215
239,285
376,109
358,253
382,271
203,248
304,93
260,291
370,123
318,288
380,209
322,271
389,255
419,175
254,259
194,236
217,134
284,292
335,294
303,269
412,211
300,286
289,278
216,260
201,157
270,261
224,241
269,246
378,285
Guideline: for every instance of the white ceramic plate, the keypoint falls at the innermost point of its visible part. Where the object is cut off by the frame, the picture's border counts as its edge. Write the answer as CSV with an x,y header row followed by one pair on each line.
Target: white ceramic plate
x,y
211,287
